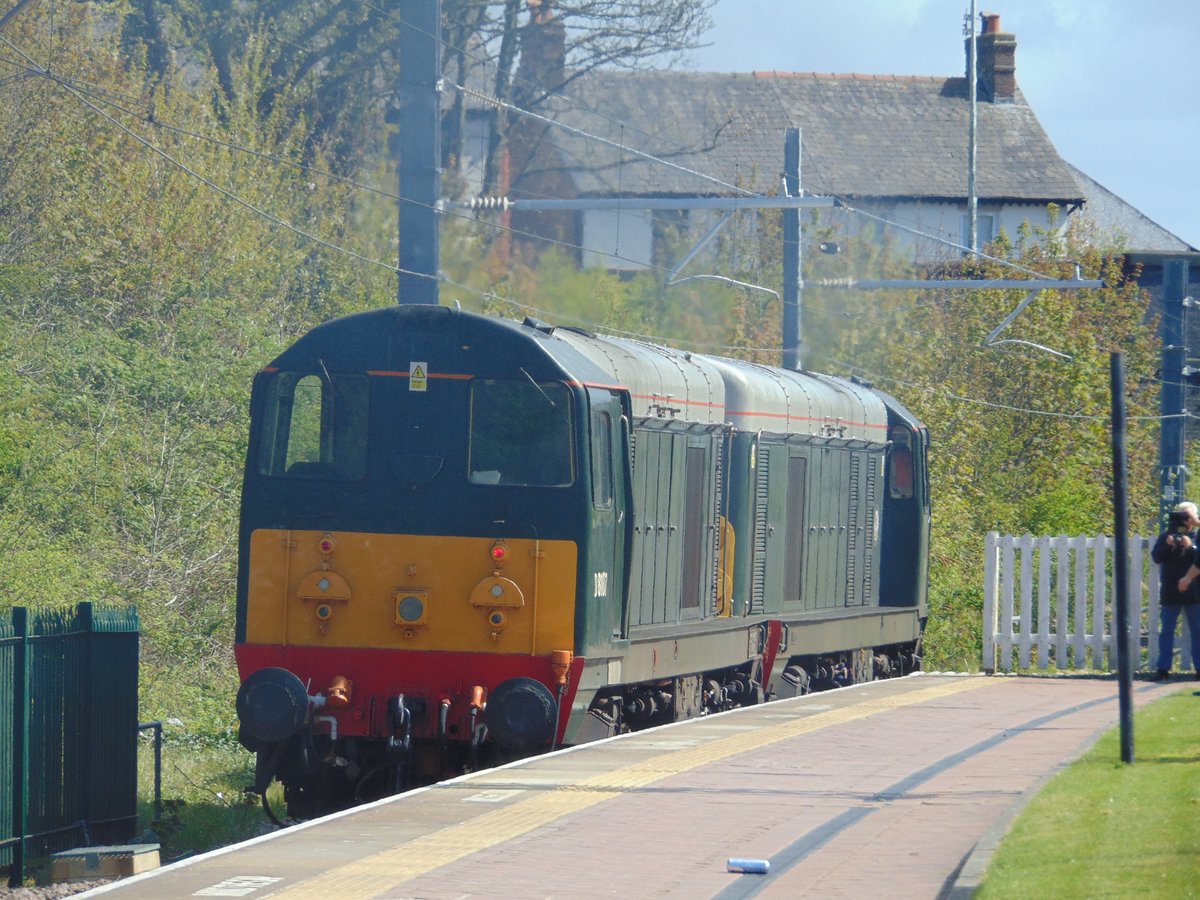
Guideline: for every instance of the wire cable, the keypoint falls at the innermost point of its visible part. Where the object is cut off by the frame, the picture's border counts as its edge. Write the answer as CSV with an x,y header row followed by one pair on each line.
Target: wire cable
x,y
987,403
509,107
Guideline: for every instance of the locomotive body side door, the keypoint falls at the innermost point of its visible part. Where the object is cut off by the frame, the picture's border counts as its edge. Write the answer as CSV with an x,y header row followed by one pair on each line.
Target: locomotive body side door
x,y
606,579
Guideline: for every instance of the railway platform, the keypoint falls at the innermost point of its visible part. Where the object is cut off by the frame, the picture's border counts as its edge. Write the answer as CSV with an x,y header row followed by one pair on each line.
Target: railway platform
x,y
900,787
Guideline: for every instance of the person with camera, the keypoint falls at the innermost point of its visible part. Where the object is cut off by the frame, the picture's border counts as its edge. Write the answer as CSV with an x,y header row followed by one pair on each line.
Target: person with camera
x,y
1176,551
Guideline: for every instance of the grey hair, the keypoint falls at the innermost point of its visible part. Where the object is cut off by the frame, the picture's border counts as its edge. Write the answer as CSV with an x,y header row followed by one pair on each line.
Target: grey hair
x,y
1189,508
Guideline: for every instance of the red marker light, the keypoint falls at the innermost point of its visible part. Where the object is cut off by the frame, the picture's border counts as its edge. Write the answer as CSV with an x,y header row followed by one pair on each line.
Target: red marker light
x,y
326,544
499,552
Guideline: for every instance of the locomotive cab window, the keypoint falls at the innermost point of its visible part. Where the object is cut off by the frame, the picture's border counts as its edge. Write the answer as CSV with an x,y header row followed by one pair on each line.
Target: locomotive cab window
x,y
901,480
315,426
521,433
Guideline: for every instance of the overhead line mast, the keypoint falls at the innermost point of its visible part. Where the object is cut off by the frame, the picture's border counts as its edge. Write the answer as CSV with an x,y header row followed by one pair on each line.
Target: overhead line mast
x,y
419,90
419,87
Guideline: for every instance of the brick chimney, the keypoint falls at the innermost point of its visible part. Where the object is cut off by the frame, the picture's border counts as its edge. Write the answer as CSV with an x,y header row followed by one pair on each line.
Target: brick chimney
x,y
543,52
996,56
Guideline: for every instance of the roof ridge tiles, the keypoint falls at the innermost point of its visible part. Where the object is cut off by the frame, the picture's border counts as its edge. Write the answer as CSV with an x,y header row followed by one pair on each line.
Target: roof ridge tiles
x,y
856,76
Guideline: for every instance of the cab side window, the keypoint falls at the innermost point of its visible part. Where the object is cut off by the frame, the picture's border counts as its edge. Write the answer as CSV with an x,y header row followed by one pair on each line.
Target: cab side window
x,y
315,426
900,480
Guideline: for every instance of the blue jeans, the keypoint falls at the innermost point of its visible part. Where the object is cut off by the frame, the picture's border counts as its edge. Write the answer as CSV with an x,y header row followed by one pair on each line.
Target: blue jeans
x,y
1169,618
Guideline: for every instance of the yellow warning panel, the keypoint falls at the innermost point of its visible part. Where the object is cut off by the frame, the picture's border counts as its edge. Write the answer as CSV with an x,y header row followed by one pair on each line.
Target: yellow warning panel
x,y
418,376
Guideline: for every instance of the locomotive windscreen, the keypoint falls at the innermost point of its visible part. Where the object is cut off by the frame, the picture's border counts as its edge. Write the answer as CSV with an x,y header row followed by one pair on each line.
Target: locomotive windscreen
x,y
521,433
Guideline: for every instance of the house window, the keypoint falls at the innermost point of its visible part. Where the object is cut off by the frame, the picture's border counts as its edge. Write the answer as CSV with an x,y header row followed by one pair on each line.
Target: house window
x,y
619,240
985,230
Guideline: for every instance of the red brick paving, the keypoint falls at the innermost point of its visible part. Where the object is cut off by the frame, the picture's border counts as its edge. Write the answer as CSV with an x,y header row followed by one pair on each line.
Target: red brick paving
x,y
922,784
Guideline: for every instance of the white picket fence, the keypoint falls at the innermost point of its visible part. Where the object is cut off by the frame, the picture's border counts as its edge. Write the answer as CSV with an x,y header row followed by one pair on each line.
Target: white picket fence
x,y
1048,602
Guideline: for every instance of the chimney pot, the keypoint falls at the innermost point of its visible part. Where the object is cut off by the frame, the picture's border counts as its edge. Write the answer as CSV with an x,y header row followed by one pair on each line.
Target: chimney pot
x,y
996,58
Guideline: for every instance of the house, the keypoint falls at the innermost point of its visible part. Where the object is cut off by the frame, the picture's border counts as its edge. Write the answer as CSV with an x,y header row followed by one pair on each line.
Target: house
x,y
892,148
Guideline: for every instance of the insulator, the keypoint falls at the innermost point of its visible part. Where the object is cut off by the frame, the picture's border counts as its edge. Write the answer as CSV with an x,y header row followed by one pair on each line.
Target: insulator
x,y
489,203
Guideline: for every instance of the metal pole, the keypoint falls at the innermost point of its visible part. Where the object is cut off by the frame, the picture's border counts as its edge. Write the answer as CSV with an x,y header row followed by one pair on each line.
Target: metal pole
x,y
933,284
1173,475
20,768
792,279
158,731
972,94
1121,556
419,91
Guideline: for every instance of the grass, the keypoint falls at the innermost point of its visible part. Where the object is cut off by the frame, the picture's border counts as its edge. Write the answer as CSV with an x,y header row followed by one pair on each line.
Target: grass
x,y
1103,828
204,804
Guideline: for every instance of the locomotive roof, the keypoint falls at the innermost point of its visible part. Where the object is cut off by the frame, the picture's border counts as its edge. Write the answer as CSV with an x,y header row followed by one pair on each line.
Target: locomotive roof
x,y
765,398
668,383
663,382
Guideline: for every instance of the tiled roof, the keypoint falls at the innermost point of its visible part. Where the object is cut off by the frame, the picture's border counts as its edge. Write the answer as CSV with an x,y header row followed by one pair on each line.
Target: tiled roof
x,y
1117,220
862,136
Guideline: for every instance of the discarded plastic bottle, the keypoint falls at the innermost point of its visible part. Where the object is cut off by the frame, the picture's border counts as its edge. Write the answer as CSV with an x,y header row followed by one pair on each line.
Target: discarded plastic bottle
x,y
749,866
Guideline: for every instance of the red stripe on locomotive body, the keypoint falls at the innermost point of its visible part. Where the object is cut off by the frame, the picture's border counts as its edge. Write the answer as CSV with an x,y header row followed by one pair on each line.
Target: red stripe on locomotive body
x,y
443,376
378,674
789,417
701,404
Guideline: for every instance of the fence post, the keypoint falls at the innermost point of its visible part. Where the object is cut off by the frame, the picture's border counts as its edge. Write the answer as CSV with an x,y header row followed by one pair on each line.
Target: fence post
x,y
1062,562
1025,545
1007,601
20,787
1044,604
1081,602
86,623
991,589
1100,548
1137,565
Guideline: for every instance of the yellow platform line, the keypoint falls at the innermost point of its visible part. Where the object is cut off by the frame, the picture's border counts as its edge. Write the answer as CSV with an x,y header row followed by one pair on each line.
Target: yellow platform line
x,y
382,871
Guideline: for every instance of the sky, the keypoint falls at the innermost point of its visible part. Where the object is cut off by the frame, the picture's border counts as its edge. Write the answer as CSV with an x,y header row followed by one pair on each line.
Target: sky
x,y
1113,82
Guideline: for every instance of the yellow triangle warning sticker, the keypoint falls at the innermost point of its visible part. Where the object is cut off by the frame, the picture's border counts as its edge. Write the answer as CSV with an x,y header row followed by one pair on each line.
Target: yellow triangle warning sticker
x,y
418,376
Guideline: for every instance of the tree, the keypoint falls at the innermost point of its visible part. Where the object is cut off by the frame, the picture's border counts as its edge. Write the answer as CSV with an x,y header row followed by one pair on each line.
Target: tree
x,y
1020,437
334,64
137,299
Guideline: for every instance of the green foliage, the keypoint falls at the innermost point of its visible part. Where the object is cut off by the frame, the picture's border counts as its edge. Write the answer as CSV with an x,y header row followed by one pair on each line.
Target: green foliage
x,y
1020,436
136,301
204,804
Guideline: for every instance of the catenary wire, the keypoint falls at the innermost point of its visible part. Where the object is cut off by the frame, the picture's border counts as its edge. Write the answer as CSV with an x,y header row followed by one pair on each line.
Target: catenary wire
x,y
925,389
518,79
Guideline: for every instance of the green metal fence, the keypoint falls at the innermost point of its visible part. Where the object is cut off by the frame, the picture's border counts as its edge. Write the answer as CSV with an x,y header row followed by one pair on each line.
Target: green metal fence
x,y
68,731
